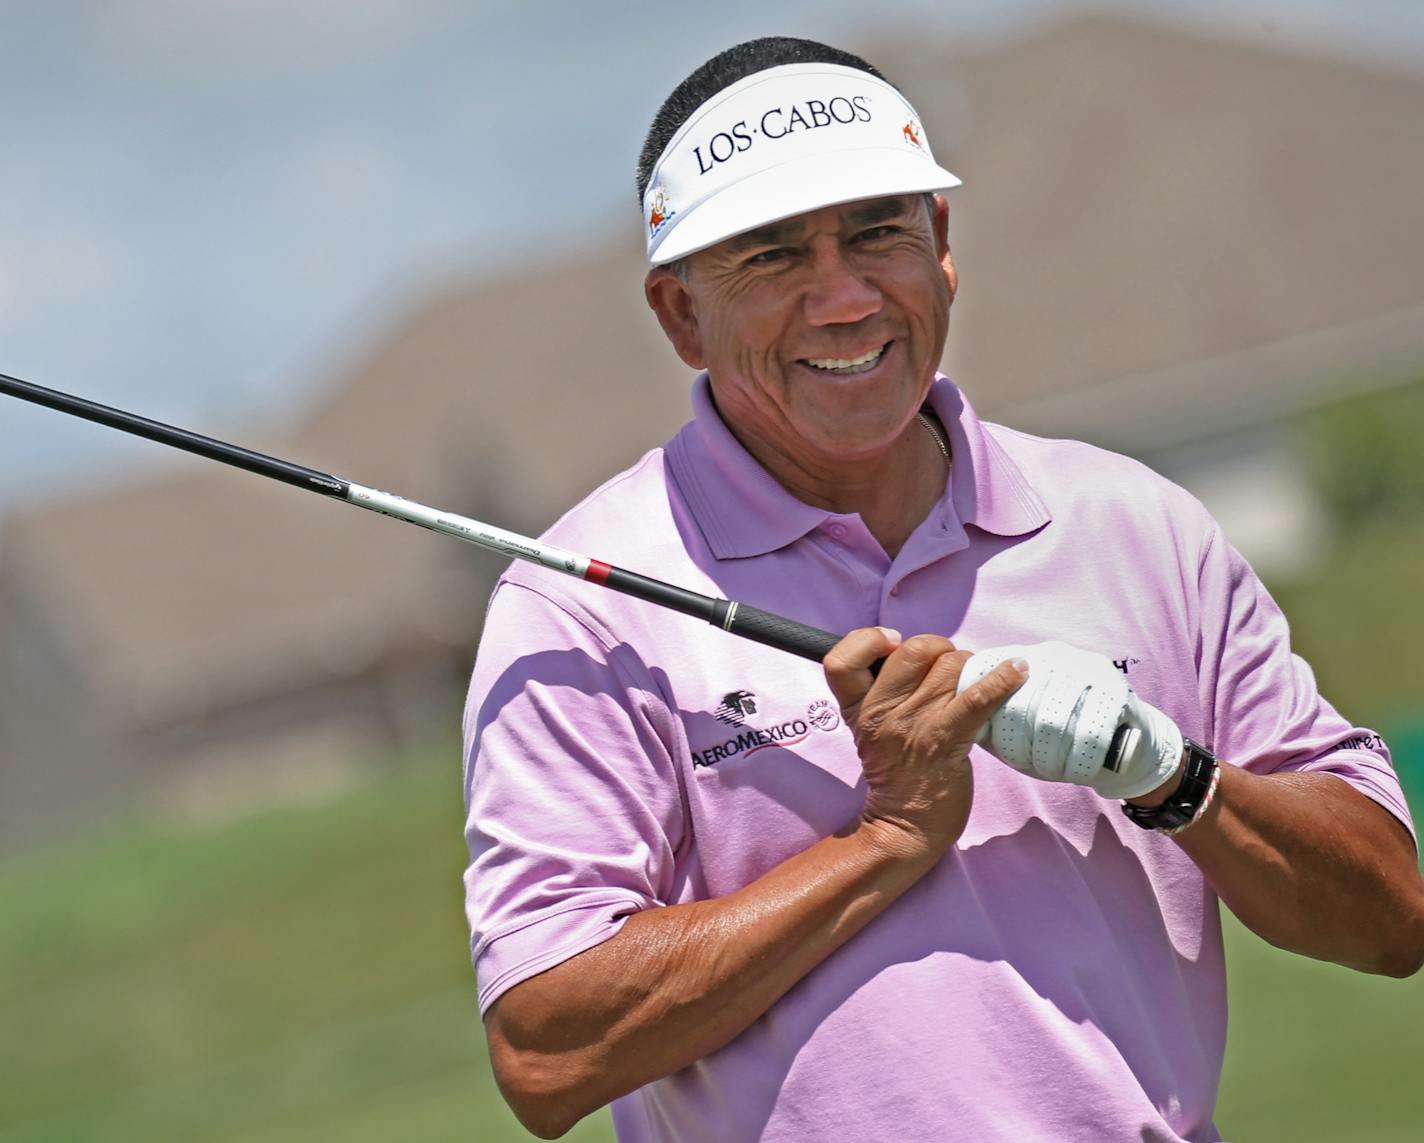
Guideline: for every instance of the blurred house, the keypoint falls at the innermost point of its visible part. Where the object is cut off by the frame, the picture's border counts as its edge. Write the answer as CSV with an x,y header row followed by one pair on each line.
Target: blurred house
x,y
1170,245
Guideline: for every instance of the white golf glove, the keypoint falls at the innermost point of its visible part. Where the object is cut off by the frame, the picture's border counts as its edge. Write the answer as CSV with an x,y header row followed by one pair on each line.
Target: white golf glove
x,y
1059,724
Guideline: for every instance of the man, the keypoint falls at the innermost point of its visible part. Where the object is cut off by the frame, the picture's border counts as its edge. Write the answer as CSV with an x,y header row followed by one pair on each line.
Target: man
x,y
744,900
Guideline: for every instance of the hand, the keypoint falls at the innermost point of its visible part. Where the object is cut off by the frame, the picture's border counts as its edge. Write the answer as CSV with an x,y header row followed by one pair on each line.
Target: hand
x,y
1059,726
914,726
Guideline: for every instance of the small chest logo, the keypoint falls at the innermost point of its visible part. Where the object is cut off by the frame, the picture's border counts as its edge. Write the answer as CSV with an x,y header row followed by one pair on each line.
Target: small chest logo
x,y
821,715
736,705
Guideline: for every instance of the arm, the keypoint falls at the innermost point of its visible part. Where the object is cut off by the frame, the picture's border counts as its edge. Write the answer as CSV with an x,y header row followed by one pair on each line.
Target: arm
x,y
680,982
1300,856
1312,866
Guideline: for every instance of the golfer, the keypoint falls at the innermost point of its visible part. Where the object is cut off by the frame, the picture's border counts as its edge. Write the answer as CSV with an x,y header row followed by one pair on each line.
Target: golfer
x,y
972,895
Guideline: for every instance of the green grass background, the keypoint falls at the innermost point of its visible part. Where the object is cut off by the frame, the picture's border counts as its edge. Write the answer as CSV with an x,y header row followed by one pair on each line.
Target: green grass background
x,y
296,975
301,975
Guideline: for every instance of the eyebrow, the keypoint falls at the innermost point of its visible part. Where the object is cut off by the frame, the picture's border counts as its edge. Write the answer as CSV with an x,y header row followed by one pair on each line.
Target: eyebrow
x,y
785,232
879,210
777,234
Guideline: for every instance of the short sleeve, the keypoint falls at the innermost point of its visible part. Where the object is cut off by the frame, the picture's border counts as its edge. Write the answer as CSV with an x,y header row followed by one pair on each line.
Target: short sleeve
x,y
575,806
1260,700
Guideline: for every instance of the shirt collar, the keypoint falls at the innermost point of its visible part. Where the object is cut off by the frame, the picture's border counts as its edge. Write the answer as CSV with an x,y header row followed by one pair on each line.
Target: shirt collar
x,y
987,487
743,511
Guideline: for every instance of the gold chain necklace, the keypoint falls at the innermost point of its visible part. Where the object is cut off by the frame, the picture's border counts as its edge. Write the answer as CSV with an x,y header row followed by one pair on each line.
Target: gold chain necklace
x,y
939,440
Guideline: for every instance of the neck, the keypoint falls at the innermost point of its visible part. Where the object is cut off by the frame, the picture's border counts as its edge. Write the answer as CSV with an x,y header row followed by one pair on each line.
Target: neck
x,y
892,492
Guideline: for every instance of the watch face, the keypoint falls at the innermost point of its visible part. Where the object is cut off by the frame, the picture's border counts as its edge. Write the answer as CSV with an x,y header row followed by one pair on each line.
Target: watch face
x,y
1184,805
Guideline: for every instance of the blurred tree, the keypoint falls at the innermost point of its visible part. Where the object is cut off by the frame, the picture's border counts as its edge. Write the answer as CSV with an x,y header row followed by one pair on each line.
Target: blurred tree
x,y
1358,617
1364,457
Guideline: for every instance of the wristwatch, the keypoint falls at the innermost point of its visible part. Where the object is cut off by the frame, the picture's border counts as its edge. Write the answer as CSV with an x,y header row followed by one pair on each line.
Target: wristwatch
x,y
1199,778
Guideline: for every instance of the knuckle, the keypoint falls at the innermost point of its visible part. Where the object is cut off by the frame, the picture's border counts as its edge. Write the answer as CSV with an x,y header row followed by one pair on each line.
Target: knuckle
x,y
867,718
951,667
925,648
991,690
977,697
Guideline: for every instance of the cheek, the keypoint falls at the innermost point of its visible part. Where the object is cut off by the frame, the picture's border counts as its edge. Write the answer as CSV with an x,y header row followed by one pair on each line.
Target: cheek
x,y
752,328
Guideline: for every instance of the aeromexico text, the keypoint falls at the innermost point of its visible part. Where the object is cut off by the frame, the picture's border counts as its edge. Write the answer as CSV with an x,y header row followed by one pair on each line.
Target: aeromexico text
x,y
749,741
777,123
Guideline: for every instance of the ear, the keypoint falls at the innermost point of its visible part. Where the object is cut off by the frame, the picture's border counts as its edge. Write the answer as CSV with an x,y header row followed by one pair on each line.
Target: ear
x,y
939,220
669,298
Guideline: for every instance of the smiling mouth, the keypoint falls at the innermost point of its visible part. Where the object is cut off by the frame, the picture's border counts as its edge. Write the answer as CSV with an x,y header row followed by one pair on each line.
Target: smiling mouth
x,y
844,366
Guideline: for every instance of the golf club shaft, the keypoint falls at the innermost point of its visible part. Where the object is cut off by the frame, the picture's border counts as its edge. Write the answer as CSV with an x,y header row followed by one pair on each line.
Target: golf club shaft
x,y
737,618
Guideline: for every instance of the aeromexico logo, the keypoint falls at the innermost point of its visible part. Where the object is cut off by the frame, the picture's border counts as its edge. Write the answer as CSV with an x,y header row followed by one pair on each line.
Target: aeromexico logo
x,y
737,706
777,123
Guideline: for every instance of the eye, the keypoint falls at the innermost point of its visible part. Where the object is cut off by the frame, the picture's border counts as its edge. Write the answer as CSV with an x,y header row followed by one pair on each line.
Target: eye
x,y
873,233
768,257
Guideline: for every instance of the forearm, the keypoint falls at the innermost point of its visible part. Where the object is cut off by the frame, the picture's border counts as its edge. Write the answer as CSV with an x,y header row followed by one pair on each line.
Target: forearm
x,y
1315,867
680,982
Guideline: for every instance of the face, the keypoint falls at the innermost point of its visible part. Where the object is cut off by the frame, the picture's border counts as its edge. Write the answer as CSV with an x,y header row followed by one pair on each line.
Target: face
x,y
820,334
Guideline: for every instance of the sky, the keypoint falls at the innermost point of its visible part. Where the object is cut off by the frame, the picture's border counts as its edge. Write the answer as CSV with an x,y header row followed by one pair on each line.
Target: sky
x,y
207,205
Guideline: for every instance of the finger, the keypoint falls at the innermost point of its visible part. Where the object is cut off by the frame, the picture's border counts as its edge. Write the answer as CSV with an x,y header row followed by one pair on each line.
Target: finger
x,y
1102,710
918,664
941,680
1012,726
976,703
1008,730
847,664
1053,716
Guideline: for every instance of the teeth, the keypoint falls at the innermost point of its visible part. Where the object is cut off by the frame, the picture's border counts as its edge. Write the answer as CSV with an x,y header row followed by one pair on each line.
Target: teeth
x,y
847,364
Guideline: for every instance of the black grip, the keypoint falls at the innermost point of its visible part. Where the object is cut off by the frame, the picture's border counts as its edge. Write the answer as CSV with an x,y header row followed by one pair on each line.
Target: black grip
x,y
779,632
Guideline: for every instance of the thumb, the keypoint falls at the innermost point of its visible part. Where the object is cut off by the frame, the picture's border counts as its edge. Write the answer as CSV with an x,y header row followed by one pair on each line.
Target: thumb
x,y
847,664
982,692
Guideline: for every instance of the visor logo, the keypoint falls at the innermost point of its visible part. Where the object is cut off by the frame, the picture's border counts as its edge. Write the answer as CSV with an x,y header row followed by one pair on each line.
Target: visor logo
x,y
777,123
658,211
912,131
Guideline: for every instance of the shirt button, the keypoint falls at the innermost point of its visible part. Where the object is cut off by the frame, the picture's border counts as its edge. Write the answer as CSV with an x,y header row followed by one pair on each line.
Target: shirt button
x,y
838,531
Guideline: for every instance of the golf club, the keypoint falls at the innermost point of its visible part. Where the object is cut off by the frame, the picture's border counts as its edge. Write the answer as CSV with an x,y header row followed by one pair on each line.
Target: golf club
x,y
738,618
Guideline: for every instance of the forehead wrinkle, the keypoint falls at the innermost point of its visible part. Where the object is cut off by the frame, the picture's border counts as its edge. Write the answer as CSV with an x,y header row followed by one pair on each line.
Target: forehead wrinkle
x,y
773,234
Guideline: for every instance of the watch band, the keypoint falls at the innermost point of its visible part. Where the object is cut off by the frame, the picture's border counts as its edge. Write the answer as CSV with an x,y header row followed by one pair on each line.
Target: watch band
x,y
1199,780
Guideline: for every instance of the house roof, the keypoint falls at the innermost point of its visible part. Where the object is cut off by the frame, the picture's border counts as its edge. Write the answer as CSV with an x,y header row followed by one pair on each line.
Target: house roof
x,y
1138,199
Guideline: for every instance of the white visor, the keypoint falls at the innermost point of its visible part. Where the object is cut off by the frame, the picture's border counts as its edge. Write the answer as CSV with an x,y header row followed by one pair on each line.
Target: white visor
x,y
779,143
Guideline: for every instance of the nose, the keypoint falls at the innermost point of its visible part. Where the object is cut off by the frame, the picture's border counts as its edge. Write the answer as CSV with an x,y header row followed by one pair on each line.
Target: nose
x,y
838,294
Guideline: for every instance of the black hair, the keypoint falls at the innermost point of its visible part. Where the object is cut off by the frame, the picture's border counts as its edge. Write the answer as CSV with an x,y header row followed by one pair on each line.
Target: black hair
x,y
723,70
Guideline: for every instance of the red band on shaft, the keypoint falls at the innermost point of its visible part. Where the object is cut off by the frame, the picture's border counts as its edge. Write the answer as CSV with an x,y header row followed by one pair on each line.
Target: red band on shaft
x,y
597,572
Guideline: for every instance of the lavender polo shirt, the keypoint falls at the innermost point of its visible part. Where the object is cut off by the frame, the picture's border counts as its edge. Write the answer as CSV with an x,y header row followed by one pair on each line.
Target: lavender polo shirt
x,y
1058,976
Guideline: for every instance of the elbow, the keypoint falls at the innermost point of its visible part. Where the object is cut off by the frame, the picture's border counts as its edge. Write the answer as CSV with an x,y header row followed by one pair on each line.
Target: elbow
x,y
1400,960
538,1091
1401,949
1401,967
1406,956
